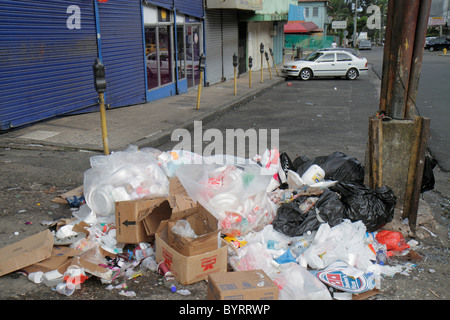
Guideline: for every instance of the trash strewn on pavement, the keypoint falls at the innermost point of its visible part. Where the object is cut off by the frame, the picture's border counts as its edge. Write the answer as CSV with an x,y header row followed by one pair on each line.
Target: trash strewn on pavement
x,y
301,229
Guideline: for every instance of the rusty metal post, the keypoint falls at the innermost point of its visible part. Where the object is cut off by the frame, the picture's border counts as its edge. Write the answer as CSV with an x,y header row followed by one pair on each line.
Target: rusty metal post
x,y
386,57
417,57
401,50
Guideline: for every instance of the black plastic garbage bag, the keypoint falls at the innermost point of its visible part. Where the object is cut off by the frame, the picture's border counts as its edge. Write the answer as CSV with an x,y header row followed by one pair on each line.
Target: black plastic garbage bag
x,y
291,221
337,166
286,163
374,208
428,175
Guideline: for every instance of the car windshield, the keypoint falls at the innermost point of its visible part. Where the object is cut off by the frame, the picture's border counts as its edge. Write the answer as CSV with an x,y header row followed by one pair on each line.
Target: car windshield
x,y
313,56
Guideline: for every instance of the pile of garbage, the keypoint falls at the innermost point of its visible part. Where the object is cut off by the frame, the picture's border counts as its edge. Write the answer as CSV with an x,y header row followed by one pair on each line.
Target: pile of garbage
x,y
310,225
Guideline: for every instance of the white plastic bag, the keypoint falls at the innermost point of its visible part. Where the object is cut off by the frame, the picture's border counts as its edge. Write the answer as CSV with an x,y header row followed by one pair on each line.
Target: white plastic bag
x,y
123,175
297,283
346,242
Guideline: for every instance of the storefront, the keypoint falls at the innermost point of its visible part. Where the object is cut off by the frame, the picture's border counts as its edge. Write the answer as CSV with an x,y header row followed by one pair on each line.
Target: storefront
x,y
173,45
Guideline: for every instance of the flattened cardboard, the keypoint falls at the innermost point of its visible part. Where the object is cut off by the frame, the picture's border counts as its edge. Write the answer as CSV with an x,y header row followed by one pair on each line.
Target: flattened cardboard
x,y
189,269
241,285
26,252
59,258
204,225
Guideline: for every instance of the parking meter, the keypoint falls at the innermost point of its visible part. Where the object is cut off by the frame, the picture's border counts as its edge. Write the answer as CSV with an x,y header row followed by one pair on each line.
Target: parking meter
x,y
267,56
235,60
261,48
271,52
250,62
99,76
202,62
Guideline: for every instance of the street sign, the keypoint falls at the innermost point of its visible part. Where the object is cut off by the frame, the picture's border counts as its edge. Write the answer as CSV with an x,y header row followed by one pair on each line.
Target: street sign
x,y
339,24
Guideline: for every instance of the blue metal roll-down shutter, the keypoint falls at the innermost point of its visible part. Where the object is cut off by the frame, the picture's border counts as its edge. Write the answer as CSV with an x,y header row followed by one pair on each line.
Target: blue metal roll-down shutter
x,y
122,52
191,7
47,49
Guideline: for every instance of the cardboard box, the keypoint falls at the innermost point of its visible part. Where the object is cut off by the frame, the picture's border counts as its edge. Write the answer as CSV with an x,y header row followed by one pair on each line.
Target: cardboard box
x,y
241,285
137,220
189,269
26,252
205,227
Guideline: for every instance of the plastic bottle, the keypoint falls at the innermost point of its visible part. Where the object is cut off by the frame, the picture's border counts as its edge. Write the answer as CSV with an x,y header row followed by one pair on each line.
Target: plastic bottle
x,y
381,257
300,245
170,283
149,263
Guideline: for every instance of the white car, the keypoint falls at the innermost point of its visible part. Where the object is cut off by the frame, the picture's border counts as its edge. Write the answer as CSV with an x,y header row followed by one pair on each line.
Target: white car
x,y
327,63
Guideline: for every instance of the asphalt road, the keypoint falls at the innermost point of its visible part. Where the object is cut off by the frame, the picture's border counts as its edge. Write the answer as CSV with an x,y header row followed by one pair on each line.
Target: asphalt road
x,y
433,98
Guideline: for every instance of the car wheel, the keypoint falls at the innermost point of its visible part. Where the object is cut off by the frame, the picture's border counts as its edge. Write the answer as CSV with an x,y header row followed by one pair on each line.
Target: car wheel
x,y
431,49
352,74
305,74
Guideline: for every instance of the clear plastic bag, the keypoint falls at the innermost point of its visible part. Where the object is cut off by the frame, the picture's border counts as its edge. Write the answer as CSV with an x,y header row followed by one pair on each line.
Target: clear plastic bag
x,y
184,229
234,190
123,175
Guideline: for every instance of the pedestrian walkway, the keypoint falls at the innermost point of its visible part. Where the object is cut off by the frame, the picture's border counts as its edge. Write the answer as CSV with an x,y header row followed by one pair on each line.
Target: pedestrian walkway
x,y
145,125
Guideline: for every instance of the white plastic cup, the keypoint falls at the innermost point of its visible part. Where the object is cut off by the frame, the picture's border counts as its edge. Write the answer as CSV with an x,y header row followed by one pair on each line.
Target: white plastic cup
x,y
313,175
65,288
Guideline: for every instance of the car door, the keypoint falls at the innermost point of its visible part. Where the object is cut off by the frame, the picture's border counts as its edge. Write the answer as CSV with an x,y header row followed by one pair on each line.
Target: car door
x,y
343,63
325,65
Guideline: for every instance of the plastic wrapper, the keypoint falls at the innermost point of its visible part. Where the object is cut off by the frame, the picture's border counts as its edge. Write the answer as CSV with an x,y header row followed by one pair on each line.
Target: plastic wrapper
x,y
297,283
121,176
374,208
234,190
253,256
337,166
184,229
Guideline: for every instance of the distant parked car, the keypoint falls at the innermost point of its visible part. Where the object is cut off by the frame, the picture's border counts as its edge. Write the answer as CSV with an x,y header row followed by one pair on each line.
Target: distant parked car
x,y
438,44
335,63
428,39
365,44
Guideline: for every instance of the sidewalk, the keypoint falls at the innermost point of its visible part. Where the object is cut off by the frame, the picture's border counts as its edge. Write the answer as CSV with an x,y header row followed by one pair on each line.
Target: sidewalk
x,y
145,125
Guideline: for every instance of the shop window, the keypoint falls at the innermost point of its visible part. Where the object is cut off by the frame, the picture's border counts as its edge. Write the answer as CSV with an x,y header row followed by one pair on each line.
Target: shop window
x,y
159,60
152,58
193,54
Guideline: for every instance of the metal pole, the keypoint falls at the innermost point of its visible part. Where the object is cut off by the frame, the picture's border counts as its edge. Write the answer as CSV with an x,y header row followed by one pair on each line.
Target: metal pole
x,y
273,60
199,93
235,87
268,64
262,67
103,121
